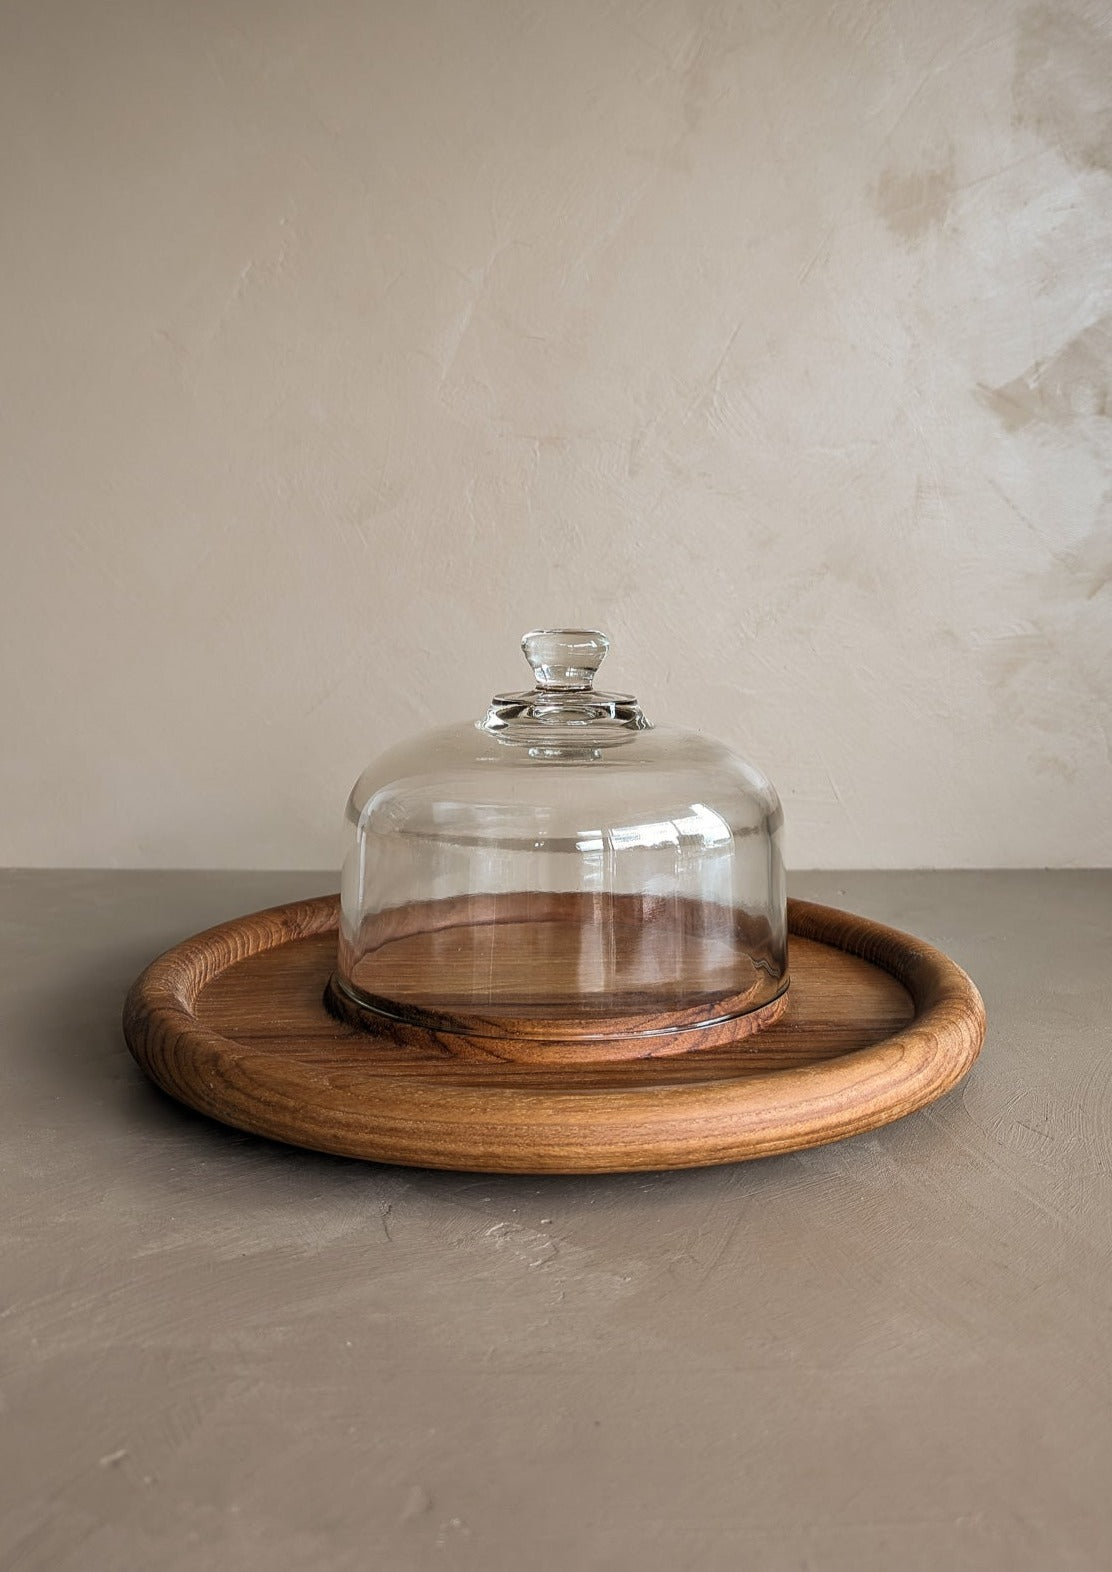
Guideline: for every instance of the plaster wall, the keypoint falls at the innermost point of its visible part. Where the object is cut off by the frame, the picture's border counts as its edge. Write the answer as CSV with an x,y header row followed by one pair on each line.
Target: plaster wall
x,y
344,342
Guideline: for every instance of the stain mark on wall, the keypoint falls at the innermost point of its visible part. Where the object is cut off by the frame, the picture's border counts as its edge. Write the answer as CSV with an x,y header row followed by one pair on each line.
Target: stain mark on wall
x,y
912,202
1062,74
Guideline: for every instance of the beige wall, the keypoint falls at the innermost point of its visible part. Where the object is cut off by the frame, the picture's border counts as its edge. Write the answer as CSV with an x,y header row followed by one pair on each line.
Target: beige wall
x,y
343,342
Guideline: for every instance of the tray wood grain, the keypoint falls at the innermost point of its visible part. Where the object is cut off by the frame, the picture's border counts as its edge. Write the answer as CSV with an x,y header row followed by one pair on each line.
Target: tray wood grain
x,y
562,977
232,1022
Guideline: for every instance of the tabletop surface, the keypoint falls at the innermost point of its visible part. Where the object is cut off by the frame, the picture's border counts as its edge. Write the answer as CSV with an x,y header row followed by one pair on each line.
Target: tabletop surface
x,y
894,1352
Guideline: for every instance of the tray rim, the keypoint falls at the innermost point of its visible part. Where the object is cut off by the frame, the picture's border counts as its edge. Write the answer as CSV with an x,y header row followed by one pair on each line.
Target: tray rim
x,y
511,1128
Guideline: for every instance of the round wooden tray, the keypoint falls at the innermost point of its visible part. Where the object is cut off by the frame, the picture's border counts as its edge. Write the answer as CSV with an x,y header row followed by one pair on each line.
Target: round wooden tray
x,y
233,1023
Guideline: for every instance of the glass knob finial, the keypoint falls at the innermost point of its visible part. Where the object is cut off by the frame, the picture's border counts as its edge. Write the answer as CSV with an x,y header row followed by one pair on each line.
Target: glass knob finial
x,y
565,659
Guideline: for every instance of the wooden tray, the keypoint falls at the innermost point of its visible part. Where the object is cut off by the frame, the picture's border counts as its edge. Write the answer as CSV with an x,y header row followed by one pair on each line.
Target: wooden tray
x,y
233,1023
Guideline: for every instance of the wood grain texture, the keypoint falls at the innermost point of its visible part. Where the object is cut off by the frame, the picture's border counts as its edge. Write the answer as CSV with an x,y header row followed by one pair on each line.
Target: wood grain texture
x,y
647,1035
552,977
232,1023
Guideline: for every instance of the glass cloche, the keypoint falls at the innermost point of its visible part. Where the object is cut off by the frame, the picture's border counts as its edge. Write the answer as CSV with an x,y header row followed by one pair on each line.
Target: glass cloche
x,y
562,879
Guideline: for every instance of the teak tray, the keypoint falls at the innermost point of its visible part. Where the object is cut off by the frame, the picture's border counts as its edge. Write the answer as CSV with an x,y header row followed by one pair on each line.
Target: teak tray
x,y
233,1022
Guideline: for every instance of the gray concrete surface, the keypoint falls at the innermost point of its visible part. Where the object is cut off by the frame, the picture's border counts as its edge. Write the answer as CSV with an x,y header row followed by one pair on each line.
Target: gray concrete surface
x,y
891,1353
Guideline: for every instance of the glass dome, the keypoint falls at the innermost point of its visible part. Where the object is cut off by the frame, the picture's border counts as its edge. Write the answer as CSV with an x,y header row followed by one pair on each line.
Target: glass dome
x,y
562,878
